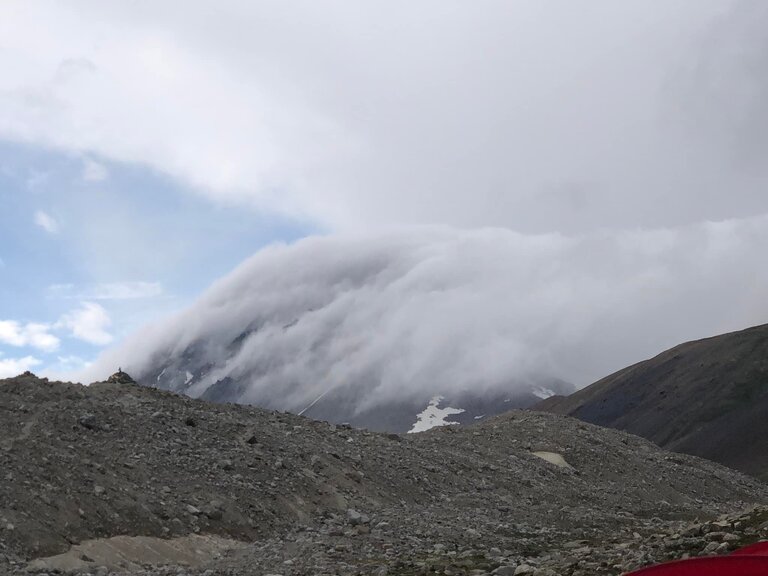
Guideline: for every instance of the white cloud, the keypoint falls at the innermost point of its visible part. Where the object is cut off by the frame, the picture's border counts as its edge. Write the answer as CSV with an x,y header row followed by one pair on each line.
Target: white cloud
x,y
535,116
14,366
107,291
46,222
532,115
35,335
89,323
94,171
428,312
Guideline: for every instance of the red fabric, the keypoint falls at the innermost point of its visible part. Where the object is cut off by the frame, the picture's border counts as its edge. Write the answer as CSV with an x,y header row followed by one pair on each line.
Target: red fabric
x,y
759,549
735,565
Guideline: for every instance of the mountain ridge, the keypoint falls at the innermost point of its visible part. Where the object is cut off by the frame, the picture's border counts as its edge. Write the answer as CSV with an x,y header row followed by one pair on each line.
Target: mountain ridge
x,y
707,397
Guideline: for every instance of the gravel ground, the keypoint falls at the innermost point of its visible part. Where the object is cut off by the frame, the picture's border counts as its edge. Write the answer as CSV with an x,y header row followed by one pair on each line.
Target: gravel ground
x,y
295,496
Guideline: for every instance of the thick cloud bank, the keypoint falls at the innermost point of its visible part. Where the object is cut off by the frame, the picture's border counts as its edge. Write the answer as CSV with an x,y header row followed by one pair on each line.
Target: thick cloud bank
x,y
433,311
537,115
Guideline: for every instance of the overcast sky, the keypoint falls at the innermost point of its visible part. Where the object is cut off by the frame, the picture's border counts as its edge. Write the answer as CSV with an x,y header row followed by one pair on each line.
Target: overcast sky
x,y
149,147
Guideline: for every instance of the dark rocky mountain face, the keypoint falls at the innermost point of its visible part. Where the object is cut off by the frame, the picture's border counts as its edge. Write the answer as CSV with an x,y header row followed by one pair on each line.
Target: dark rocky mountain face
x,y
708,398
119,477
189,372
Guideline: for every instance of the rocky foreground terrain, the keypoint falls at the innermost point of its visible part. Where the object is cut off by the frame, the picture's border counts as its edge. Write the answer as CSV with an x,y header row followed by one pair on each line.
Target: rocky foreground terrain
x,y
118,478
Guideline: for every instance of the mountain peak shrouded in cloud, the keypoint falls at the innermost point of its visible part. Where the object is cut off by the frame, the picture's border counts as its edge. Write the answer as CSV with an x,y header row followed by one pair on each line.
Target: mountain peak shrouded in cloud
x,y
396,318
596,166
381,215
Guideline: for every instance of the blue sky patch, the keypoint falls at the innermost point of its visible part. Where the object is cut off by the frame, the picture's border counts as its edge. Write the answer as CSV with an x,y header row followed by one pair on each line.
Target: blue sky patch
x,y
131,242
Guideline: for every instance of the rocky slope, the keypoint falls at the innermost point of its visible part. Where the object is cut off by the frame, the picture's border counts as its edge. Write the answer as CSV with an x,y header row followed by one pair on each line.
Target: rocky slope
x,y
708,398
230,489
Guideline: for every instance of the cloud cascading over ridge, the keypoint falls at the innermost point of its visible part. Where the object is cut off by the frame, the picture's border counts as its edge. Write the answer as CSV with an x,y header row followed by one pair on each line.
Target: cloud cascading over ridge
x,y
430,312
576,153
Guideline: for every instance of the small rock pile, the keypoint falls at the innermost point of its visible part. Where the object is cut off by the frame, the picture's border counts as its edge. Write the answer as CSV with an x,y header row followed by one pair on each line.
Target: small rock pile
x,y
120,377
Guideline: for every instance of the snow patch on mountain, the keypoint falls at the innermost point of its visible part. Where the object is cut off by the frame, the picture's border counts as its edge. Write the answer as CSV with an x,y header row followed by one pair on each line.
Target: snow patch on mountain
x,y
542,392
433,416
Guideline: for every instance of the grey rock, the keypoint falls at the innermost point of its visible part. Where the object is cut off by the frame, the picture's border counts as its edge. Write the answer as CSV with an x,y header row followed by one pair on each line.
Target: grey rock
x,y
355,518
88,421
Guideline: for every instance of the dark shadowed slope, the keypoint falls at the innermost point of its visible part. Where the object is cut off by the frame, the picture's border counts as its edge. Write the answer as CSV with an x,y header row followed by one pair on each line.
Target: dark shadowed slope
x,y
708,398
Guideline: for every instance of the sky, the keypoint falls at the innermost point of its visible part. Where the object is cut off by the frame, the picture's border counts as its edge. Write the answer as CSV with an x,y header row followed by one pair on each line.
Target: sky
x,y
91,249
147,149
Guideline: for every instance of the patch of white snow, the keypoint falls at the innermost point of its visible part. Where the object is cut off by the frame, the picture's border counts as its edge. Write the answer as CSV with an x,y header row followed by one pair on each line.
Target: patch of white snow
x,y
189,378
543,393
433,416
